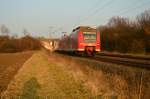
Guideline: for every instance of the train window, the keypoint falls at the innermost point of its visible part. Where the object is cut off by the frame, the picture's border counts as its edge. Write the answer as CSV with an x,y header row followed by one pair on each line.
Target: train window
x,y
88,36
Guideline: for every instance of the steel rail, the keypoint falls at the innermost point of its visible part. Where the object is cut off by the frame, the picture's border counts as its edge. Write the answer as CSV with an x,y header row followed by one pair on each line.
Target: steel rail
x,y
127,61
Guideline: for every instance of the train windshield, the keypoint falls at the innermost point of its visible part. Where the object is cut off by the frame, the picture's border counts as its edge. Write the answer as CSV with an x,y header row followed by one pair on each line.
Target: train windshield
x,y
89,37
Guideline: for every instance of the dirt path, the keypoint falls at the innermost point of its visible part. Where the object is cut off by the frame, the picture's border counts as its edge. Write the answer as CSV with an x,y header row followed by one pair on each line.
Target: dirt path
x,y
40,77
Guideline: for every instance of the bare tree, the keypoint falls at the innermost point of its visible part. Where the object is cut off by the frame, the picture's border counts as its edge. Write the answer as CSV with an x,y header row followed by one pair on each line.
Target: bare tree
x,y
15,36
118,22
144,21
4,30
121,35
25,32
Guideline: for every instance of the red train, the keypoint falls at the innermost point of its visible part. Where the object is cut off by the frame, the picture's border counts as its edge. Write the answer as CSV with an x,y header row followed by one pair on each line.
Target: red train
x,y
83,40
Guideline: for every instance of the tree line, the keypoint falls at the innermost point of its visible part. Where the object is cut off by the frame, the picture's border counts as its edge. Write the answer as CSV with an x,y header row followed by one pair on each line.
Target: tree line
x,y
125,36
12,44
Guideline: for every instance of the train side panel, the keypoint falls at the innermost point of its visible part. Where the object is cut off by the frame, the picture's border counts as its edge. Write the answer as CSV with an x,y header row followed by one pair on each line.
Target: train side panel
x,y
74,43
98,42
80,41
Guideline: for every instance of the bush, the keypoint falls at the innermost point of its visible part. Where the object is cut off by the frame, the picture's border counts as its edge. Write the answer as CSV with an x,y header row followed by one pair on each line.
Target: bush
x,y
11,45
30,43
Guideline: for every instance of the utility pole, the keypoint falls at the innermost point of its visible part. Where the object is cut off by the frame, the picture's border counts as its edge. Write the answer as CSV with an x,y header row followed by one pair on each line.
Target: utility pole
x,y
50,31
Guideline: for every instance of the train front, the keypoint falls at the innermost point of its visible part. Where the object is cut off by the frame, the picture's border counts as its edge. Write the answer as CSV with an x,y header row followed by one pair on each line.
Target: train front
x,y
89,41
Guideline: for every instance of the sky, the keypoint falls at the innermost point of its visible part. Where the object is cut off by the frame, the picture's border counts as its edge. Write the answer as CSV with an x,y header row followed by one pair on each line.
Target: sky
x,y
50,18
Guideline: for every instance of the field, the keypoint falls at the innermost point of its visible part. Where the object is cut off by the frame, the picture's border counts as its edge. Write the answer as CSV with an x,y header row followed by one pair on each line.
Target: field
x,y
9,65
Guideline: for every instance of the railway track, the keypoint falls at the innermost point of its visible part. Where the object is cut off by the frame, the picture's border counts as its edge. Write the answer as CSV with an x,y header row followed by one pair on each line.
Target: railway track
x,y
127,60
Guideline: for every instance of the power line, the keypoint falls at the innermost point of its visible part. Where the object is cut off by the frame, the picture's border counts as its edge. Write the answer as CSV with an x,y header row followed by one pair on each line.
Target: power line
x,y
96,4
134,7
97,10
92,7
102,7
129,9
123,11
128,5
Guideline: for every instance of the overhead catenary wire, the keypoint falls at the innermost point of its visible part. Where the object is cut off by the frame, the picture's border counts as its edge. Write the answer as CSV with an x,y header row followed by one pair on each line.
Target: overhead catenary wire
x,y
134,7
95,11
89,10
123,11
130,9
93,6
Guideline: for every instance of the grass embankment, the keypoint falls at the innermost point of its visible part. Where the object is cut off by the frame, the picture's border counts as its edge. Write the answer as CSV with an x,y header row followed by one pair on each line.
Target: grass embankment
x,y
40,77
109,80
9,65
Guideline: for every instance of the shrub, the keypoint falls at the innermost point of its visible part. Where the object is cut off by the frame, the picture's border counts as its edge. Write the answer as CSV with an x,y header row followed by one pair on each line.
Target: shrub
x,y
11,45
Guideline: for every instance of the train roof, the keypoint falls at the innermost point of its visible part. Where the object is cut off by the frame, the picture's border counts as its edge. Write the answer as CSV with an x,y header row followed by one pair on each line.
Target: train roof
x,y
84,28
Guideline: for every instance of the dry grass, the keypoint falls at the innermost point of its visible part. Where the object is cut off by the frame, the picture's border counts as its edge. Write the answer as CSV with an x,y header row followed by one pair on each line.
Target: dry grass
x,y
56,76
107,79
125,82
43,77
